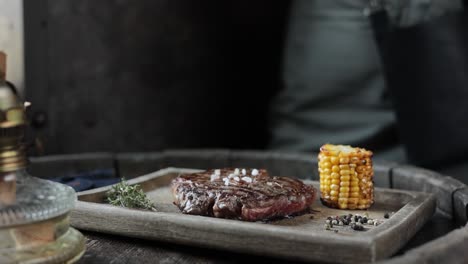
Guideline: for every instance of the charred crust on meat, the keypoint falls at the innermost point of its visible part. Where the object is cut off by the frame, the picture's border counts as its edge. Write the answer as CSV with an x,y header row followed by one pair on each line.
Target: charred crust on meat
x,y
260,198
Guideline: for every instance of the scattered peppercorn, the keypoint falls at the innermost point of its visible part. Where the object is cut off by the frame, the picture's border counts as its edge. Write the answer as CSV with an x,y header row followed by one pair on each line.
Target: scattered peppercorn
x,y
387,215
336,231
357,227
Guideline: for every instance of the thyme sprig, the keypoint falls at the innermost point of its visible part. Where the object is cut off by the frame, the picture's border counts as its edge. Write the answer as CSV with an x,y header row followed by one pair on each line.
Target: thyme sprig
x,y
130,196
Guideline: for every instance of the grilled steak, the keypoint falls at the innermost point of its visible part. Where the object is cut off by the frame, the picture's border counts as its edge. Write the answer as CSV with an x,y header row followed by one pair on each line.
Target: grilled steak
x,y
245,194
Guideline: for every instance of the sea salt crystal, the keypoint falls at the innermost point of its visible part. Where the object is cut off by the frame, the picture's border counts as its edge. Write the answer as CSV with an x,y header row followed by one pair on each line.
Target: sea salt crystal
x,y
236,171
244,172
247,179
217,172
226,181
214,177
236,178
269,183
254,172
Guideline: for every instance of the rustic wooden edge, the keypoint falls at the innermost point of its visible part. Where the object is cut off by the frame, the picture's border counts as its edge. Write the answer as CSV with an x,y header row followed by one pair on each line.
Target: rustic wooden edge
x,y
419,203
303,166
383,172
72,157
197,159
131,165
423,207
408,177
460,201
450,248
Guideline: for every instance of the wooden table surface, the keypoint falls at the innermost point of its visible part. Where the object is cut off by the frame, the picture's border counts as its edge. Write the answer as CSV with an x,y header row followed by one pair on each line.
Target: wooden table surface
x,y
104,248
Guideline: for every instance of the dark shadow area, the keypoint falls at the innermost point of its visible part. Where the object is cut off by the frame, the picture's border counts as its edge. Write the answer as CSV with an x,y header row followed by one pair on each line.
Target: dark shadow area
x,y
149,75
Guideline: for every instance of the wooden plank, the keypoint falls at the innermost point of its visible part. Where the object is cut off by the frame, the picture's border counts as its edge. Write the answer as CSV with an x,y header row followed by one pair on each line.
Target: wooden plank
x,y
450,248
418,179
303,166
104,248
249,159
460,201
197,159
382,171
131,165
277,238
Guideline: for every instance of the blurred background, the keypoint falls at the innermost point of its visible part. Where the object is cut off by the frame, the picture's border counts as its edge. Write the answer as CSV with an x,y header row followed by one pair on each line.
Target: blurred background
x,y
149,75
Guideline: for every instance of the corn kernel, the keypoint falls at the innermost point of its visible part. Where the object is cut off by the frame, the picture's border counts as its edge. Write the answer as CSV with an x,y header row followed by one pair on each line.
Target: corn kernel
x,y
345,178
343,195
344,167
345,172
335,160
344,190
344,160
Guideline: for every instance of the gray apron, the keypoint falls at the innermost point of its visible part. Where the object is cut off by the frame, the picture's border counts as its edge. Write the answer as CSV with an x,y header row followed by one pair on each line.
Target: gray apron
x,y
334,89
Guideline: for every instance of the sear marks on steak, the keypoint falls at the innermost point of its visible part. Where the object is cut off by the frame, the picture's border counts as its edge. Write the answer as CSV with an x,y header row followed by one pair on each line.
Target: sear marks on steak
x,y
244,194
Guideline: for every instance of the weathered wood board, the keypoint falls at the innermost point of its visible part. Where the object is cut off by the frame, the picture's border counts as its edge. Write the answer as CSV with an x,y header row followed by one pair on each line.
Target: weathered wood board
x,y
299,238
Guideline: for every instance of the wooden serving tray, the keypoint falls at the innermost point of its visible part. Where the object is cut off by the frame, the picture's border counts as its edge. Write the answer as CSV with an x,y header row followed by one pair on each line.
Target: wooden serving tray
x,y
299,238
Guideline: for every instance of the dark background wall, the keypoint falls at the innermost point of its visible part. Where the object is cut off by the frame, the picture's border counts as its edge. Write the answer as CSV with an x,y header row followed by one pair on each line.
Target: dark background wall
x,y
123,75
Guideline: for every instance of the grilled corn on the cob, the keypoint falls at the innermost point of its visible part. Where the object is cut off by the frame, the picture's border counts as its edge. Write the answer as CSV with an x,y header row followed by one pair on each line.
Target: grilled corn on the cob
x,y
346,177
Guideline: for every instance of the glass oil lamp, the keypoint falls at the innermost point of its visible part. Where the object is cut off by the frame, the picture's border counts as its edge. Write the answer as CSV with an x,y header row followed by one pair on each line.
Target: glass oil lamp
x,y
34,213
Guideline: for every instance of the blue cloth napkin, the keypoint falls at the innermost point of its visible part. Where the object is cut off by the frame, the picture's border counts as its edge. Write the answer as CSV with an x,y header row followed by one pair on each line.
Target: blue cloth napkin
x,y
87,180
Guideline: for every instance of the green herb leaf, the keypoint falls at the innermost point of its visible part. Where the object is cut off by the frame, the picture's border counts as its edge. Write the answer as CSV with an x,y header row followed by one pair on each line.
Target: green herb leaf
x,y
130,196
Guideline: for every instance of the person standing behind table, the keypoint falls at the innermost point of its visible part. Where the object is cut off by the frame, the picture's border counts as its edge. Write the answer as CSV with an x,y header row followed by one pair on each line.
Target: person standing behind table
x,y
334,88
